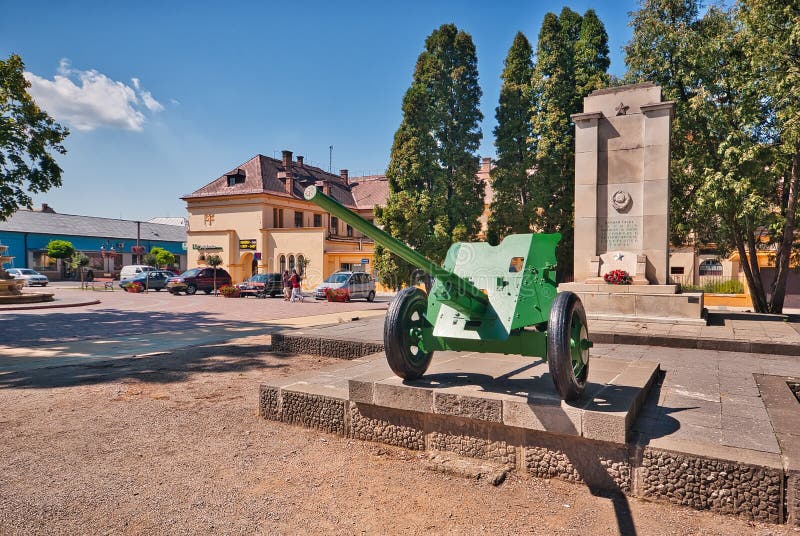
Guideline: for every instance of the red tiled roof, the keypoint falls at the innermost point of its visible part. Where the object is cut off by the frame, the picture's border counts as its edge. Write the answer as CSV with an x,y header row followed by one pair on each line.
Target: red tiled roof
x,y
261,175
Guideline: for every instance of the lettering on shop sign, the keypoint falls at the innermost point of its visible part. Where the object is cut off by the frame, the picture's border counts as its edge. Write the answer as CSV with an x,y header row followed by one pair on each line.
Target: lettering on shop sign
x,y
619,234
247,244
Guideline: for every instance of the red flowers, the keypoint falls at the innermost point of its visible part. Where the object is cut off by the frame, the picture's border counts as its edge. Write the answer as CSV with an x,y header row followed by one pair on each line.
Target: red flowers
x,y
618,277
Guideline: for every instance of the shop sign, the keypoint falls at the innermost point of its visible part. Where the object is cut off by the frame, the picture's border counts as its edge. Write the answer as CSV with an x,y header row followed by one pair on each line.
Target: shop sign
x,y
201,247
364,261
247,244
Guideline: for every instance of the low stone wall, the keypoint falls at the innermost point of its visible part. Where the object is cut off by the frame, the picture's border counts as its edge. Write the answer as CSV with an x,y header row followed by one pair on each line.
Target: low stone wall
x,y
314,345
709,484
339,348
700,482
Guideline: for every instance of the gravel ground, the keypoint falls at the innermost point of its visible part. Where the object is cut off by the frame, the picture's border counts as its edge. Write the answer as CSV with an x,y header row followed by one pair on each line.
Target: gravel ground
x,y
172,444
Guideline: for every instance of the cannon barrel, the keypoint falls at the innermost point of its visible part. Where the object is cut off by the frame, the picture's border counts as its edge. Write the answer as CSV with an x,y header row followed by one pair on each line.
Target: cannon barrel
x,y
462,294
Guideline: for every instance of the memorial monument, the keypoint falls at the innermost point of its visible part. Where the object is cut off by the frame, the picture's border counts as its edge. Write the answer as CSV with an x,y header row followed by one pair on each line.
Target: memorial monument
x,y
622,215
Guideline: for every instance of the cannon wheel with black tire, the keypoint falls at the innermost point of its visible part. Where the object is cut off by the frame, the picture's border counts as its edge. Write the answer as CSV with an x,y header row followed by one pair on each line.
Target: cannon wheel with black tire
x,y
402,331
568,346
190,289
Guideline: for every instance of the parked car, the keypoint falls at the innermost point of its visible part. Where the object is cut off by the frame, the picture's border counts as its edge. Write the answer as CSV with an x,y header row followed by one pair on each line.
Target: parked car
x,y
133,269
261,285
196,279
31,277
151,279
353,284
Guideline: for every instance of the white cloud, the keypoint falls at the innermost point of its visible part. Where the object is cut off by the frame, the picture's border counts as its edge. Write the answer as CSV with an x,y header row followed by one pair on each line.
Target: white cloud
x,y
95,101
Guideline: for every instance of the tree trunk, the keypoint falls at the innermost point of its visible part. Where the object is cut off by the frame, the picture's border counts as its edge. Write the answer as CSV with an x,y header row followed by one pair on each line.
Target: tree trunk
x,y
784,254
753,277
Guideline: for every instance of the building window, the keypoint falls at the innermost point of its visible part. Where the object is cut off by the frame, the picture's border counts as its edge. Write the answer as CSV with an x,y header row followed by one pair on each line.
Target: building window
x,y
277,218
711,267
291,263
317,220
235,179
676,270
334,225
349,231
42,262
301,264
282,263
298,219
346,267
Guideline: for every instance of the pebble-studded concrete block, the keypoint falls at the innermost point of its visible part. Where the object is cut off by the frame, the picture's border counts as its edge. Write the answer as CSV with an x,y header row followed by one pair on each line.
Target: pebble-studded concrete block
x,y
474,447
313,411
290,344
369,348
340,349
709,484
597,470
483,409
369,423
268,403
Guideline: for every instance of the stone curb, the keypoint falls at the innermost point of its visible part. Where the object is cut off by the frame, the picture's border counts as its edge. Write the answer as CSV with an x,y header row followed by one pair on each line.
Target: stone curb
x,y
347,349
50,305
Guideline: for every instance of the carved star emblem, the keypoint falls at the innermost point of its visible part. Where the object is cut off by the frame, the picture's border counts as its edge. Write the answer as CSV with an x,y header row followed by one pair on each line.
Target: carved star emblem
x,y
618,257
622,109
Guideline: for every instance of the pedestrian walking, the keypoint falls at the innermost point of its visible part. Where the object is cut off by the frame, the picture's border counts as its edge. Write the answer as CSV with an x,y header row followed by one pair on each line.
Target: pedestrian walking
x,y
295,281
287,285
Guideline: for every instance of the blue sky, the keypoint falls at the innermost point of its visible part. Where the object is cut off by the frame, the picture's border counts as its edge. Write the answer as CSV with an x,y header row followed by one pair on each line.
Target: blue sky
x,y
162,97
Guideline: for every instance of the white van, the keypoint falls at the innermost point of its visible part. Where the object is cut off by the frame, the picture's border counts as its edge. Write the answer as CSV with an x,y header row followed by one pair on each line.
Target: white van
x,y
133,269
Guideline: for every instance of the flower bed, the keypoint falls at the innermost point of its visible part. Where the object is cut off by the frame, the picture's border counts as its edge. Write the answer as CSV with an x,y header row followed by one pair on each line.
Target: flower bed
x,y
618,277
134,288
229,291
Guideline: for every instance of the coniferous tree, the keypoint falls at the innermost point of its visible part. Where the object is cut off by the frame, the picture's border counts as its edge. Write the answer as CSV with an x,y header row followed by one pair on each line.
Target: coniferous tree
x,y
512,210
571,60
434,196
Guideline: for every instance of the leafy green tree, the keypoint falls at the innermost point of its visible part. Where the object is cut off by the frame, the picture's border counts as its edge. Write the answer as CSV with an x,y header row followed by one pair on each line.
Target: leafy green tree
x,y
772,37
60,249
77,262
512,209
28,136
571,61
214,261
733,76
434,196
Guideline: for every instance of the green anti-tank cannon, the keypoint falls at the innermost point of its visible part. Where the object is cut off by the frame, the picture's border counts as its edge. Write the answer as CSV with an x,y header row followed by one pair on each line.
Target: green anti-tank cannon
x,y
499,299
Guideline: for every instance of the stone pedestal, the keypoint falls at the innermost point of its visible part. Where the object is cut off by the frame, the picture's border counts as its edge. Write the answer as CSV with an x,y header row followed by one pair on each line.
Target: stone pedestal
x,y
643,303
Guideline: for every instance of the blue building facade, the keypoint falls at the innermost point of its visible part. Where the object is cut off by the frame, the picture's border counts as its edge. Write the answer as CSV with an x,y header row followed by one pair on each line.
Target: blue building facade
x,y
110,244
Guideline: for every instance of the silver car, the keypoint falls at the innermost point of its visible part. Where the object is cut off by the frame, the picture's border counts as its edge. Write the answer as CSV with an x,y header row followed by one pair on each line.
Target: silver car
x,y
354,284
31,277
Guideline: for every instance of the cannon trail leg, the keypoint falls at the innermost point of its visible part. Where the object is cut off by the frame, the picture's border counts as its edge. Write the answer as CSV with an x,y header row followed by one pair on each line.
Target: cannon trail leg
x,y
568,345
402,334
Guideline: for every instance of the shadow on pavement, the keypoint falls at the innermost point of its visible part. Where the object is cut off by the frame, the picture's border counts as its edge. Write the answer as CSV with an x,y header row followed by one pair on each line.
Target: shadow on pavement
x,y
174,366
33,330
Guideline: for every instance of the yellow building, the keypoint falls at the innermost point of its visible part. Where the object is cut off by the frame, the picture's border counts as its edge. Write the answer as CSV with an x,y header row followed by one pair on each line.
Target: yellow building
x,y
256,219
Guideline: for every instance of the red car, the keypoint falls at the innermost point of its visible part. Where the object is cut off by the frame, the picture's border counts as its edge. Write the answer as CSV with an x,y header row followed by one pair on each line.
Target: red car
x,y
196,279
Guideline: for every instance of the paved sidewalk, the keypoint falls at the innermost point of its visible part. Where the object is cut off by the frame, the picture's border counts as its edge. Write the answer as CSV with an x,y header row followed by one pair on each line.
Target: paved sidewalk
x,y
115,346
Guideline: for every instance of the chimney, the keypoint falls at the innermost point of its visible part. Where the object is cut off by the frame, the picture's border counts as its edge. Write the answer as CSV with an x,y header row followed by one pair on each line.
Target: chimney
x,y
287,168
343,174
300,160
